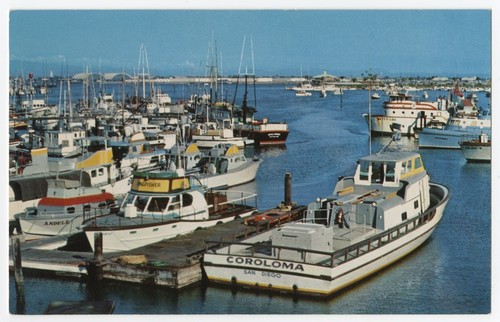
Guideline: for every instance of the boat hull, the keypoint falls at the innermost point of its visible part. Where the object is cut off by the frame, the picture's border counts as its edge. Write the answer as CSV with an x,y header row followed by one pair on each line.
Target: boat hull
x,y
127,238
267,138
384,125
210,141
440,139
34,228
476,152
296,277
238,176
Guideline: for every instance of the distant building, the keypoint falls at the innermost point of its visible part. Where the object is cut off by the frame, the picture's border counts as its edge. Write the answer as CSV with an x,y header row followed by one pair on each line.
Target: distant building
x,y
468,79
324,79
440,79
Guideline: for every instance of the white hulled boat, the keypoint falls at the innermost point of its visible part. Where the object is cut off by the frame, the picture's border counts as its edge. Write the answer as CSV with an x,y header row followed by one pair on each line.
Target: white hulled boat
x,y
162,205
406,112
372,219
478,149
226,166
65,207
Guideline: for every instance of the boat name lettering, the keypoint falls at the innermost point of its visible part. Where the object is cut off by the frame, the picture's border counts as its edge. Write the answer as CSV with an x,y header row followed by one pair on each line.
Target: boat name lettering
x,y
265,263
150,184
56,223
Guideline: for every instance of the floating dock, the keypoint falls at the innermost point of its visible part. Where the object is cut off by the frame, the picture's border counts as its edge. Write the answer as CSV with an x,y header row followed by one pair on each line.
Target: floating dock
x,y
174,263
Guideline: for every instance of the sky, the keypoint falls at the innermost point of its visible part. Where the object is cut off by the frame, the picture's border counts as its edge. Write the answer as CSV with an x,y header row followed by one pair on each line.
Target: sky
x,y
388,42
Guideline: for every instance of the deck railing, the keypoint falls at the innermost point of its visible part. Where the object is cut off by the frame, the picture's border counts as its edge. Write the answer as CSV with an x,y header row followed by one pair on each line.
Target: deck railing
x,y
329,259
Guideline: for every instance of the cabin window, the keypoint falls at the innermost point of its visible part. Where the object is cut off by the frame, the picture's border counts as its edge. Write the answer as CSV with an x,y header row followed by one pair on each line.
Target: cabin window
x,y
418,163
64,143
403,168
70,210
415,204
378,172
390,171
86,208
158,204
141,202
93,173
187,200
408,166
364,170
174,205
404,216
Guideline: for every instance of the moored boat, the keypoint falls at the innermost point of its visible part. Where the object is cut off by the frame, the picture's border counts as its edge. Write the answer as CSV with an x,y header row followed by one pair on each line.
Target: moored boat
x,y
162,205
65,207
374,218
407,113
449,135
477,150
226,166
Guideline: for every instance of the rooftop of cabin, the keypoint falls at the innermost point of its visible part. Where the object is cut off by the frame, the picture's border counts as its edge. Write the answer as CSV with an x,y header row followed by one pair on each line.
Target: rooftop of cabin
x,y
397,156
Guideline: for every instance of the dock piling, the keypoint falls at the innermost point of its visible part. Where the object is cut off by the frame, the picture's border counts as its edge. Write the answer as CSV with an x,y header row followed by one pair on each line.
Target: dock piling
x,y
18,271
288,189
95,266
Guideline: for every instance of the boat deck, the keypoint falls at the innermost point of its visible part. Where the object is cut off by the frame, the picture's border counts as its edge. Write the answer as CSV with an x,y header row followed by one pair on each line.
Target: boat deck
x,y
173,263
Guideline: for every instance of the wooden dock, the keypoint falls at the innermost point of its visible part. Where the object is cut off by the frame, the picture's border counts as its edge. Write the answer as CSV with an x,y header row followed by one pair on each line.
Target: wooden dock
x,y
175,263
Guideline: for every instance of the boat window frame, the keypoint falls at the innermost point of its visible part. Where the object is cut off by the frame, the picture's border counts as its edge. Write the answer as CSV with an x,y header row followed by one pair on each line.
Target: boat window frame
x,y
160,209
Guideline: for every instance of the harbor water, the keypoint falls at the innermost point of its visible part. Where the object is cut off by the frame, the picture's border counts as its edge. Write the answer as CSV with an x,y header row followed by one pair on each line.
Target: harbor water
x,y
449,274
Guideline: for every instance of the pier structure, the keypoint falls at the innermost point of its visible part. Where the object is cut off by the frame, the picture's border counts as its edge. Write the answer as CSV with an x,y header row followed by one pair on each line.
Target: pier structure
x,y
175,263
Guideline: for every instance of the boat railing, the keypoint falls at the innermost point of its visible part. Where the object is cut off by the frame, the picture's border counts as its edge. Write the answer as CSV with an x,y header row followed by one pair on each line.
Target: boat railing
x,y
324,258
234,197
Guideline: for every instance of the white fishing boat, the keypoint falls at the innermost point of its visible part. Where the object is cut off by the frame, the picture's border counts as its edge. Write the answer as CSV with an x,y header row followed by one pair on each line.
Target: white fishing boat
x,y
407,113
65,207
162,205
478,149
226,166
374,218
449,135
208,135
222,166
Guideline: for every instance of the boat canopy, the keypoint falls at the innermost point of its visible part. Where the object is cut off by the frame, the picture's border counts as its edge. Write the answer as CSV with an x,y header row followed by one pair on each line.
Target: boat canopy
x,y
29,189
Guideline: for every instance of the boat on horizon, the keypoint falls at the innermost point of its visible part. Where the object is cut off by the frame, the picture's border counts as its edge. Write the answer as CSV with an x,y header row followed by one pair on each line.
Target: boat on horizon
x,y
384,212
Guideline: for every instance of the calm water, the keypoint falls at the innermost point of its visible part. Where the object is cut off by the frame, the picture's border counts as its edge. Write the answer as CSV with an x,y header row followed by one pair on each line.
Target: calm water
x,y
449,274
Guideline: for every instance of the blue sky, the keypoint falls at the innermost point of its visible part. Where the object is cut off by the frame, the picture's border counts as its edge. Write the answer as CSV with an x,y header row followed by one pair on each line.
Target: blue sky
x,y
342,42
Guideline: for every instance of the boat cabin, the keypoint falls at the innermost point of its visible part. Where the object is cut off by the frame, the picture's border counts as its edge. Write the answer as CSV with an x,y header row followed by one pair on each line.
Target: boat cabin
x,y
165,194
386,190
387,169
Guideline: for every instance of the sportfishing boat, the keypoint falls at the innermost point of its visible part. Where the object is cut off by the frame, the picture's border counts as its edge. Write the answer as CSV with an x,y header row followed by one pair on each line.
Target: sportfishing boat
x,y
374,218
449,135
478,149
407,113
162,205
65,207
207,135
226,166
